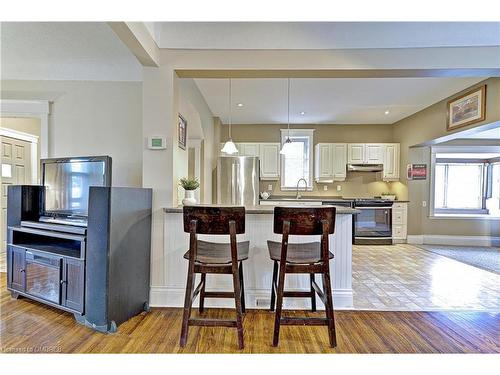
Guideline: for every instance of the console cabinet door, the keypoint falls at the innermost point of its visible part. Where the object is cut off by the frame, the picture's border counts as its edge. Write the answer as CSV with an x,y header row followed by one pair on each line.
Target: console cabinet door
x,y
73,284
16,268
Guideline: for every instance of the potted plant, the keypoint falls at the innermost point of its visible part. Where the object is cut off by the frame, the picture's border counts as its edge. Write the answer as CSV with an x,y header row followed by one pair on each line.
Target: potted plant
x,y
189,185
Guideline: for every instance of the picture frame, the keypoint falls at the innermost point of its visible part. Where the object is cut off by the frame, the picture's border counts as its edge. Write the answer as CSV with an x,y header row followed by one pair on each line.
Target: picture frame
x,y
467,109
182,132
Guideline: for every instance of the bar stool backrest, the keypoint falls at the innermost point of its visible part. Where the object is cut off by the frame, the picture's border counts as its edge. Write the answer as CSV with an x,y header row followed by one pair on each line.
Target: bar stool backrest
x,y
304,220
213,219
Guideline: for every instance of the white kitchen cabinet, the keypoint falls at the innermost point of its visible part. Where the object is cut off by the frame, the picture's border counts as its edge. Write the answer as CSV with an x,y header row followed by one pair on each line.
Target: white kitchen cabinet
x,y
356,153
249,149
323,162
269,154
339,153
365,153
391,162
399,222
330,161
374,153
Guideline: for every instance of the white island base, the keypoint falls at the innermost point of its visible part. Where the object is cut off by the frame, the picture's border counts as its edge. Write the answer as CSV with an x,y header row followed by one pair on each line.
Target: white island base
x,y
257,269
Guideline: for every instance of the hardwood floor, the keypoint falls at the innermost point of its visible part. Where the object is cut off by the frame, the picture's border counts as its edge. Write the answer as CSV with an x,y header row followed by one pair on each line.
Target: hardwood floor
x,y
28,326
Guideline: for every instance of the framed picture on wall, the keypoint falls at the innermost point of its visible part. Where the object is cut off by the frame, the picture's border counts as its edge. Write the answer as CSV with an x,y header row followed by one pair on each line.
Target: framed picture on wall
x,y
467,109
182,132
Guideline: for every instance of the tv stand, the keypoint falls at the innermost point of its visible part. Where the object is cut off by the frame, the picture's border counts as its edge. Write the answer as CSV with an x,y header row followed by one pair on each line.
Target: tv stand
x,y
99,273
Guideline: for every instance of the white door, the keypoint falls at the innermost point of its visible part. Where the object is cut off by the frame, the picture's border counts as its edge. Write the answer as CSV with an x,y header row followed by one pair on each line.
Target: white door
x,y
16,170
339,151
356,153
269,161
374,153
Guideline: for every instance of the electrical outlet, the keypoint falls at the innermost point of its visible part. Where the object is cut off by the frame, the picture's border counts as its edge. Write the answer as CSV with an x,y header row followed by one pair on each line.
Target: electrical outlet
x,y
424,203
339,188
270,187
325,187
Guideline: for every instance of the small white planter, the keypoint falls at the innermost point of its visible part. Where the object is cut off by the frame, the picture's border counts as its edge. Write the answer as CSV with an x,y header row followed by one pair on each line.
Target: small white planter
x,y
189,199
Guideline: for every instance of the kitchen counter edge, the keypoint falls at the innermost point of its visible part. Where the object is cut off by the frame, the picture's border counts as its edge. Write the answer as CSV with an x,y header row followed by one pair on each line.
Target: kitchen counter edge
x,y
266,210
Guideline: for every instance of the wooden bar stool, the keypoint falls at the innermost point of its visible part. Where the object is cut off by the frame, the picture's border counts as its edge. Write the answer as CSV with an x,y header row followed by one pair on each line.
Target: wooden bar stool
x,y
218,258
310,258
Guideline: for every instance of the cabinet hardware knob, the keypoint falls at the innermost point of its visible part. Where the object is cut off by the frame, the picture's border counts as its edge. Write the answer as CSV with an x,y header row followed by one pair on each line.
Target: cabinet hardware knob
x,y
23,270
63,281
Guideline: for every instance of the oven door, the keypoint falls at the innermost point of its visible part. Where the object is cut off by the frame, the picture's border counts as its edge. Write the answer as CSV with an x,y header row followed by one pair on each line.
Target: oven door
x,y
43,276
373,223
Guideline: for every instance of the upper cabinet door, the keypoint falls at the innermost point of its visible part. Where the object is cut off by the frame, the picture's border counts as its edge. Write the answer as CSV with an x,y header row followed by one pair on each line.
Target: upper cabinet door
x,y
323,163
269,161
356,153
374,153
391,162
249,149
339,154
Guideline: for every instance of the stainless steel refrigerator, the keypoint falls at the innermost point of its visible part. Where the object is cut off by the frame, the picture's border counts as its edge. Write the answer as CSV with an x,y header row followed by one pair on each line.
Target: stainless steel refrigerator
x,y
238,180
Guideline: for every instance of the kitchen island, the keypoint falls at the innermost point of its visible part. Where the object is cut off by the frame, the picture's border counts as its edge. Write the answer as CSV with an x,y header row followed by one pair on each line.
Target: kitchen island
x,y
258,268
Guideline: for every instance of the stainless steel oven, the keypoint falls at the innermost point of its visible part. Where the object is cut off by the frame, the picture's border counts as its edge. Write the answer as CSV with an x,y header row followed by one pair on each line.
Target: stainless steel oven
x,y
43,276
373,224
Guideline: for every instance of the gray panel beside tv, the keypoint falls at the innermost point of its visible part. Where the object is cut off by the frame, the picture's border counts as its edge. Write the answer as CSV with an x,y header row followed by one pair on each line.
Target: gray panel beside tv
x,y
115,255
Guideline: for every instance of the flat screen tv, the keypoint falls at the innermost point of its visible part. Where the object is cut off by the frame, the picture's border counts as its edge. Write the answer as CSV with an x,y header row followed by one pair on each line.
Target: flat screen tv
x,y
67,182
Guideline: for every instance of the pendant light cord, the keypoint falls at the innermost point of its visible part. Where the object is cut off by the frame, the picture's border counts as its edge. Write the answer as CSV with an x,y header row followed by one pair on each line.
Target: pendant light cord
x,y
230,108
288,108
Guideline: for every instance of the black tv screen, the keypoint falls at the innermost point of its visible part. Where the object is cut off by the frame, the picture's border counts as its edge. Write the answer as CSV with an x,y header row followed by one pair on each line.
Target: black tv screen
x,y
67,183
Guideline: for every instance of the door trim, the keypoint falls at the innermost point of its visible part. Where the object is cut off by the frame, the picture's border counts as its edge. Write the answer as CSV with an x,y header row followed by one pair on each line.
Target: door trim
x,y
33,140
30,109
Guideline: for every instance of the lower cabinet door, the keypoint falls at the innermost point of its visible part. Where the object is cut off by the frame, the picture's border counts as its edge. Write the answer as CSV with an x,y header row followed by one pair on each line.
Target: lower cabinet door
x,y
73,281
16,273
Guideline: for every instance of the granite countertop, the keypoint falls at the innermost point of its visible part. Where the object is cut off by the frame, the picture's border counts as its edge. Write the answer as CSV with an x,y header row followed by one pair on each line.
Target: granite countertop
x,y
266,210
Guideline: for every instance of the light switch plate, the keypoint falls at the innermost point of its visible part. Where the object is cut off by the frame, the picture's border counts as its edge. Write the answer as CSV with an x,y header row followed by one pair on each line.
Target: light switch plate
x,y
424,203
339,188
325,187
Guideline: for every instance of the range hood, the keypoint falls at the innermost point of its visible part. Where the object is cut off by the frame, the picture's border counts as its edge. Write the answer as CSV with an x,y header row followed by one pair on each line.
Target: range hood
x,y
365,167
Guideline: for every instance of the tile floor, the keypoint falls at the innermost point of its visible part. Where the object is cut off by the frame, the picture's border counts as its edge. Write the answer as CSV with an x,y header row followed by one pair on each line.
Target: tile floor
x,y
404,277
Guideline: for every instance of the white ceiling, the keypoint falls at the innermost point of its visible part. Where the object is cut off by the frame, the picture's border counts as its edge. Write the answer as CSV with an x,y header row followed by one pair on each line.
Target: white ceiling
x,y
327,101
323,35
65,51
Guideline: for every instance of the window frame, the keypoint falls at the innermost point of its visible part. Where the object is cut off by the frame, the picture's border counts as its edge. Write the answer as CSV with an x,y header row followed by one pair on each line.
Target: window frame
x,y
309,133
461,213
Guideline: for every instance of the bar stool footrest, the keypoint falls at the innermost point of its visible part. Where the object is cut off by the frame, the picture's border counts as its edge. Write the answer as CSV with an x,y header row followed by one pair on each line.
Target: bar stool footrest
x,y
212,322
304,321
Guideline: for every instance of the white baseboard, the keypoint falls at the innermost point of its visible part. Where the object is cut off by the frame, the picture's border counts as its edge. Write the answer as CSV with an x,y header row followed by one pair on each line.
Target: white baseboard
x,y
255,299
435,239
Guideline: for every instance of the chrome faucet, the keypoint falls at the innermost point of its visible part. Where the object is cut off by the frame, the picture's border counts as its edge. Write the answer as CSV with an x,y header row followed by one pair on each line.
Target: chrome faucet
x,y
298,196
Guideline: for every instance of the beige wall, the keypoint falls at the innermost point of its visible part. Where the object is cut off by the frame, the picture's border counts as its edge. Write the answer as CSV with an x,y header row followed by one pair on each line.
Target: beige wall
x,y
91,118
422,128
356,184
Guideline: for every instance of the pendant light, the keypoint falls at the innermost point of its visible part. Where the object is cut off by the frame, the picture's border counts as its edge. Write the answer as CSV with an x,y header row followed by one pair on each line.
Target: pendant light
x,y
288,143
229,147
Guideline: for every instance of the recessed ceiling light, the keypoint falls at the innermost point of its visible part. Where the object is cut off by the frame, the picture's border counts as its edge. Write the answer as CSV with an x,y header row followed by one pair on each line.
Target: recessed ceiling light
x,y
302,113
386,112
239,105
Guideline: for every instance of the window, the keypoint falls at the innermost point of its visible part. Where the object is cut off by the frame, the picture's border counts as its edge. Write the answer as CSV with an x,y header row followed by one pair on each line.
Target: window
x,y
298,164
459,186
466,183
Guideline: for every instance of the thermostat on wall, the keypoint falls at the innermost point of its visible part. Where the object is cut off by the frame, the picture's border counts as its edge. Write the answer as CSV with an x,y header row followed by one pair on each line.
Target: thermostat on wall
x,y
157,143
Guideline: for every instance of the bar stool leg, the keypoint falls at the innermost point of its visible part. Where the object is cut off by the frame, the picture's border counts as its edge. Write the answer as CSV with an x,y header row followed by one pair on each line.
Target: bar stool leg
x,y
237,300
188,300
279,305
242,283
275,278
327,287
202,293
313,293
